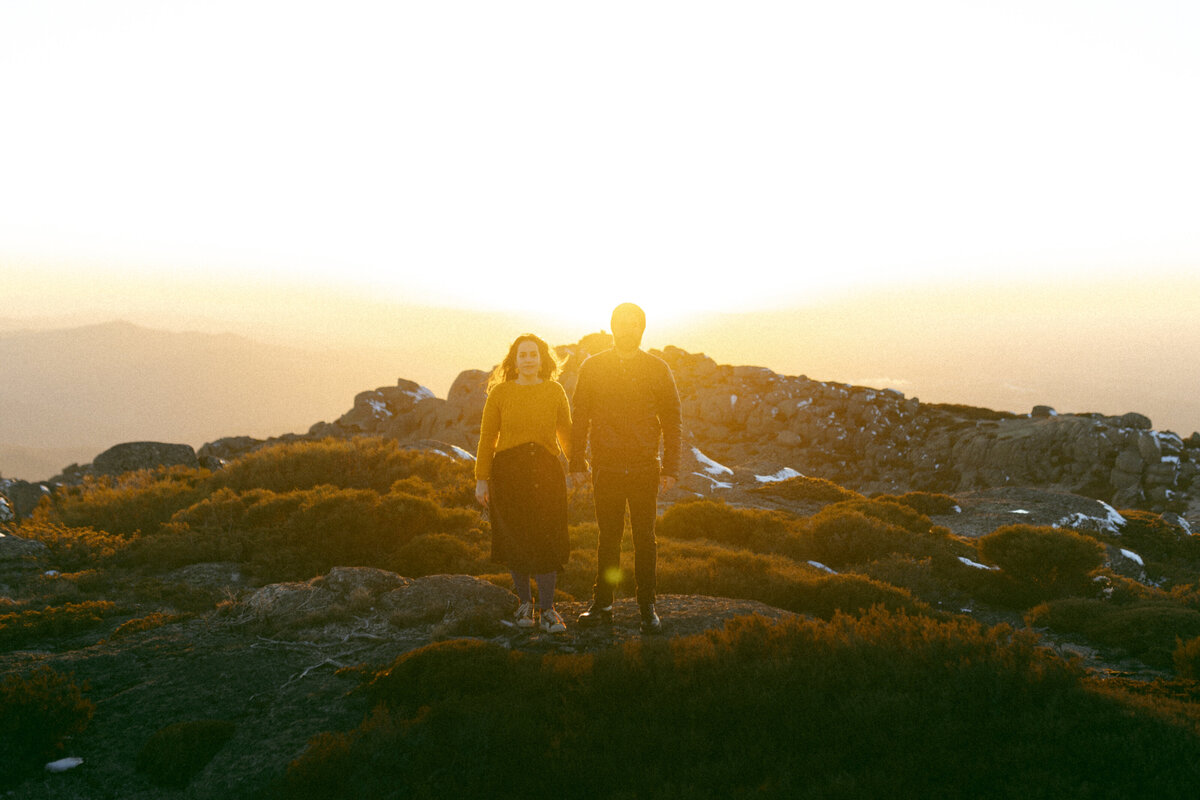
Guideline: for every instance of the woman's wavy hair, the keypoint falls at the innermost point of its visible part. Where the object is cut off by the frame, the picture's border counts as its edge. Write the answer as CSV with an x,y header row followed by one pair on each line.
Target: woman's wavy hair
x,y
507,369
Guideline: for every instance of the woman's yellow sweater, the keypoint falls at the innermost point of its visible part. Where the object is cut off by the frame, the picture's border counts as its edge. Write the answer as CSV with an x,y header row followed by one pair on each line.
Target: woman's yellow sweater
x,y
515,414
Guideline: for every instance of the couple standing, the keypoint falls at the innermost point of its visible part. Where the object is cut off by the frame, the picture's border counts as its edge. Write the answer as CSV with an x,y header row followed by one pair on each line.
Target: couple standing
x,y
625,400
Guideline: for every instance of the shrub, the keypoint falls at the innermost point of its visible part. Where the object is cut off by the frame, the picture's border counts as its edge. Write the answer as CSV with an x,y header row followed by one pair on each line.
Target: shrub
x,y
752,529
1187,658
927,503
299,534
438,554
75,548
864,707
695,568
1152,537
136,501
359,463
37,711
30,625
146,623
861,531
173,755
892,512
1145,630
806,490
1053,561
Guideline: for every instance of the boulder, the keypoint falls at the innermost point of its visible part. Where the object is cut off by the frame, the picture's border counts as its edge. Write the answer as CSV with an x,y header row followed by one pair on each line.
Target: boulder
x,y
469,391
1134,420
230,447
1149,448
132,456
22,497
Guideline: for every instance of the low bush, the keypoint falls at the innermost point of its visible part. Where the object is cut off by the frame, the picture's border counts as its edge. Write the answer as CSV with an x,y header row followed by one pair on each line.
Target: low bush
x,y
862,531
21,627
1146,630
1052,562
362,462
1186,658
892,512
927,503
696,568
146,623
868,707
173,755
752,529
439,554
804,489
38,710
134,502
74,548
299,534
1151,536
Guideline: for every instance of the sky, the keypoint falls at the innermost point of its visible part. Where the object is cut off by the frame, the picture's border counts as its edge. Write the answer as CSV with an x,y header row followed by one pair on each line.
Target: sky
x,y
254,163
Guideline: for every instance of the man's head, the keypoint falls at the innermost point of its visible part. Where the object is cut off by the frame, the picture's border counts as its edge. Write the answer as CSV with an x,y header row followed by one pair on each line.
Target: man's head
x,y
628,325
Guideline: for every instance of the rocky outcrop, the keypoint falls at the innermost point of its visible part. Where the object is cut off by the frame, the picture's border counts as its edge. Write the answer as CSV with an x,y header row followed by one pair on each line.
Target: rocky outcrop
x,y
744,425
18,498
132,456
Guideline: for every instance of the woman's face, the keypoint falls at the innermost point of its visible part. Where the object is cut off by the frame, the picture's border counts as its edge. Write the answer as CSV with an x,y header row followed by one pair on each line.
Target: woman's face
x,y
529,360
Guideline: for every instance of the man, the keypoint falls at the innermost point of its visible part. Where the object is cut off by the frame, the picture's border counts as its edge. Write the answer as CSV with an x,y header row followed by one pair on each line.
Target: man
x,y
625,401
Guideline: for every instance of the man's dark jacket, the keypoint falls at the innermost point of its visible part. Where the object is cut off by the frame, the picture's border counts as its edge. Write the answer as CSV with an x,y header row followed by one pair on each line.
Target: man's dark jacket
x,y
625,404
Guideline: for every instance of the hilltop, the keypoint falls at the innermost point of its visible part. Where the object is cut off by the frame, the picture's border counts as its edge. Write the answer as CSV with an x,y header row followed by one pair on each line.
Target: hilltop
x,y
862,593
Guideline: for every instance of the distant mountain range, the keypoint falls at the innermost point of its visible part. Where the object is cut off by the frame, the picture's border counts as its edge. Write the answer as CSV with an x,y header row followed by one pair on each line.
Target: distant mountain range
x,y
67,394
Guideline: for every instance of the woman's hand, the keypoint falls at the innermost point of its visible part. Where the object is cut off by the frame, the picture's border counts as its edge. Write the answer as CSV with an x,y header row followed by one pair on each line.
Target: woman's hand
x,y
481,493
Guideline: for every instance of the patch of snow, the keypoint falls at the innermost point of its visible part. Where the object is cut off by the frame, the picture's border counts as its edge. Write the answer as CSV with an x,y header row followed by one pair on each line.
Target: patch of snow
x,y
1171,441
51,573
379,407
463,454
1132,556
733,401
715,484
1018,511
1170,459
710,466
782,475
1111,522
956,510
976,564
63,764
821,566
804,403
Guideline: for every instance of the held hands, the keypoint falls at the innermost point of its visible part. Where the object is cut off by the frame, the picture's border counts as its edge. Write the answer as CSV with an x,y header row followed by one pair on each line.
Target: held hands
x,y
481,493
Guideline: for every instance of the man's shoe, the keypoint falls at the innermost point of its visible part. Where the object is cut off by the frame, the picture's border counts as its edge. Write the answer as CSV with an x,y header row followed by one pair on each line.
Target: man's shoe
x,y
597,615
650,621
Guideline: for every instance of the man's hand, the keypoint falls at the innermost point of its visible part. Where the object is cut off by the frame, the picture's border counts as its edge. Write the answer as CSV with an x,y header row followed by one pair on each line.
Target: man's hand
x,y
666,483
482,495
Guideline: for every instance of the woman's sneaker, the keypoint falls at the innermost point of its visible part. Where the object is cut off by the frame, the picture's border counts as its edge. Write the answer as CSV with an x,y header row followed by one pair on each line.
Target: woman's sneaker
x,y
552,622
524,615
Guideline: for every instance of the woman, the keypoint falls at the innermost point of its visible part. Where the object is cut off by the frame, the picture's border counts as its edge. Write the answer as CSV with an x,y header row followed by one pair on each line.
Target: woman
x,y
526,420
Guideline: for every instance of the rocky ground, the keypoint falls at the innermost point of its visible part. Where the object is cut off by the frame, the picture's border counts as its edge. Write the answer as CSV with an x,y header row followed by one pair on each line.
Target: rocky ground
x,y
271,663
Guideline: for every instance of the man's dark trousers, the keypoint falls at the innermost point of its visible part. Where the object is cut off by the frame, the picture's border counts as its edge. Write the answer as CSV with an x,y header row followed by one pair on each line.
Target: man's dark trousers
x,y
613,491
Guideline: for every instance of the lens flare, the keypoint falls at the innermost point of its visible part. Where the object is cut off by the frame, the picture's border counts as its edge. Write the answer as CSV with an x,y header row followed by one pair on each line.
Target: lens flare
x,y
614,575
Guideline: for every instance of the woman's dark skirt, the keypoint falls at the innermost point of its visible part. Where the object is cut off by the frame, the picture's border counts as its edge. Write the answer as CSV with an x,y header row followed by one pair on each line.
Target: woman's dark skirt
x,y
528,510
